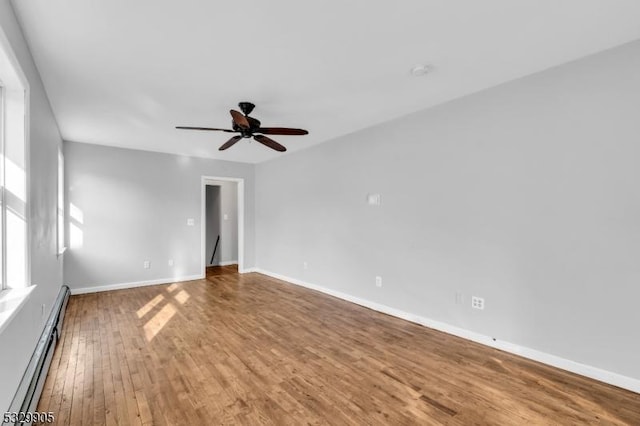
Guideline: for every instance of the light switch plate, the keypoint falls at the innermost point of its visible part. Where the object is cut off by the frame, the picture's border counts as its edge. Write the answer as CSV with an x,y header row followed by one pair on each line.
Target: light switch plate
x,y
373,199
191,221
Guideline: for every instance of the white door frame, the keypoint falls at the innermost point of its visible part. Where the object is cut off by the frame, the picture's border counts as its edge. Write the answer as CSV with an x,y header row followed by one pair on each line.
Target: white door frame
x,y
208,180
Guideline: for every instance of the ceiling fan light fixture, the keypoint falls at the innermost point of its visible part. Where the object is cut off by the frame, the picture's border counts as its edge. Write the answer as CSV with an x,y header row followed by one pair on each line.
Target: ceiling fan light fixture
x,y
421,70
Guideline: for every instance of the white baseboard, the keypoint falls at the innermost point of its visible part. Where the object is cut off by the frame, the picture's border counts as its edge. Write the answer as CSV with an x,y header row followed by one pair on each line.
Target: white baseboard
x,y
121,286
248,270
225,263
599,374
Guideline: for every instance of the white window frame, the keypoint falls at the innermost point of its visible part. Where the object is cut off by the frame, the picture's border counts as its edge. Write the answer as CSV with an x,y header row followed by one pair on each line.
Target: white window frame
x,y
13,295
3,222
15,98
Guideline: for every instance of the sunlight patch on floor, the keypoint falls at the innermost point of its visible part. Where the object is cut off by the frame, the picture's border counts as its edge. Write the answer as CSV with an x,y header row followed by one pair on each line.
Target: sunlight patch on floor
x,y
157,323
182,297
149,306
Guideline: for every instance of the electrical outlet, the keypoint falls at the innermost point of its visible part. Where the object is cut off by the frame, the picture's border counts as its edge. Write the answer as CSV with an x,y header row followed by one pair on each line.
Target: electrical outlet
x,y
191,221
170,262
146,264
305,265
477,302
378,281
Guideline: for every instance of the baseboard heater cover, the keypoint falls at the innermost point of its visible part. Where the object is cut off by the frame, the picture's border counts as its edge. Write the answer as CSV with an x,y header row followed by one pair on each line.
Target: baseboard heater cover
x,y
28,393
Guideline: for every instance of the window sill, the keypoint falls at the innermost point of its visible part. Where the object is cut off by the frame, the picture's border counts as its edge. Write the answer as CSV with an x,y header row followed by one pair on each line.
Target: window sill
x,y
11,300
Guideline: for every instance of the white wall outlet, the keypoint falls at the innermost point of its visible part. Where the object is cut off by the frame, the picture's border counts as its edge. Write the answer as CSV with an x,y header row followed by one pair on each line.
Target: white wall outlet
x,y
373,199
191,221
146,264
477,302
170,262
225,216
305,265
459,298
378,281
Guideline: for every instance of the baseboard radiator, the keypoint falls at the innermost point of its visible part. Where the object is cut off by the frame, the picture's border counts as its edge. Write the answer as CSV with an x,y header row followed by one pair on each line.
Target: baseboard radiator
x,y
28,393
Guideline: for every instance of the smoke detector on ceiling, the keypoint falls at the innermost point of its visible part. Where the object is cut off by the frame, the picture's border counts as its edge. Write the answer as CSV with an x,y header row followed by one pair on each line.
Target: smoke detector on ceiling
x,y
420,70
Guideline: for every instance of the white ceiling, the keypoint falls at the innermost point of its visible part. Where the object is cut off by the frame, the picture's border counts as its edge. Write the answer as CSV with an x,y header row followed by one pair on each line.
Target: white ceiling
x,y
124,73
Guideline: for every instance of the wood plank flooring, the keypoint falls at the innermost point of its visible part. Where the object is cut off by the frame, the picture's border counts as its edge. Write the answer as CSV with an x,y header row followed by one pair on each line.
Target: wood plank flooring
x,y
249,349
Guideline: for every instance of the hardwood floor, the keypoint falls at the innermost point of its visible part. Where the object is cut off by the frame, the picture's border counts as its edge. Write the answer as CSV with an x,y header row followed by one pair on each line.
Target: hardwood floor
x,y
249,349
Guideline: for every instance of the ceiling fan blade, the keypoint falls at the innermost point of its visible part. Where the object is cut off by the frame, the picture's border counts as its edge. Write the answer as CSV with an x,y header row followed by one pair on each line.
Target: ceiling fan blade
x,y
230,143
270,143
204,128
239,119
281,131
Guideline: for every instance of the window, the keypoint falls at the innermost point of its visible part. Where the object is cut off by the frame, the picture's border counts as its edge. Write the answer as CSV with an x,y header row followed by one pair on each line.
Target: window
x,y
13,173
61,229
2,221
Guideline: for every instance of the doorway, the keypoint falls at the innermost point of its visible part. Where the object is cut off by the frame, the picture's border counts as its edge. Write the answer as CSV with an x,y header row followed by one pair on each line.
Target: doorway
x,y
222,223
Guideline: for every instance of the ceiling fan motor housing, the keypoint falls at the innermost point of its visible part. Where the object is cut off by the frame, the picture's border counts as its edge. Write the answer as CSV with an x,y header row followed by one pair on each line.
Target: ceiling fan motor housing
x,y
247,133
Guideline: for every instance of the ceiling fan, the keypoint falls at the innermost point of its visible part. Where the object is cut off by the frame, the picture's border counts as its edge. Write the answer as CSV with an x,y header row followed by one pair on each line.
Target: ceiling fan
x,y
248,127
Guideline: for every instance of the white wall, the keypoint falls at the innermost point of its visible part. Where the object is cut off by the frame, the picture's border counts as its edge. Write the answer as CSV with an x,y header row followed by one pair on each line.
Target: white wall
x,y
18,340
227,204
134,207
526,194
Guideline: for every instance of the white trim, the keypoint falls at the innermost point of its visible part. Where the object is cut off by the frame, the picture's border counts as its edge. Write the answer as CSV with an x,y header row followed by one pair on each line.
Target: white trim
x,y
206,180
225,263
599,374
121,286
27,175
